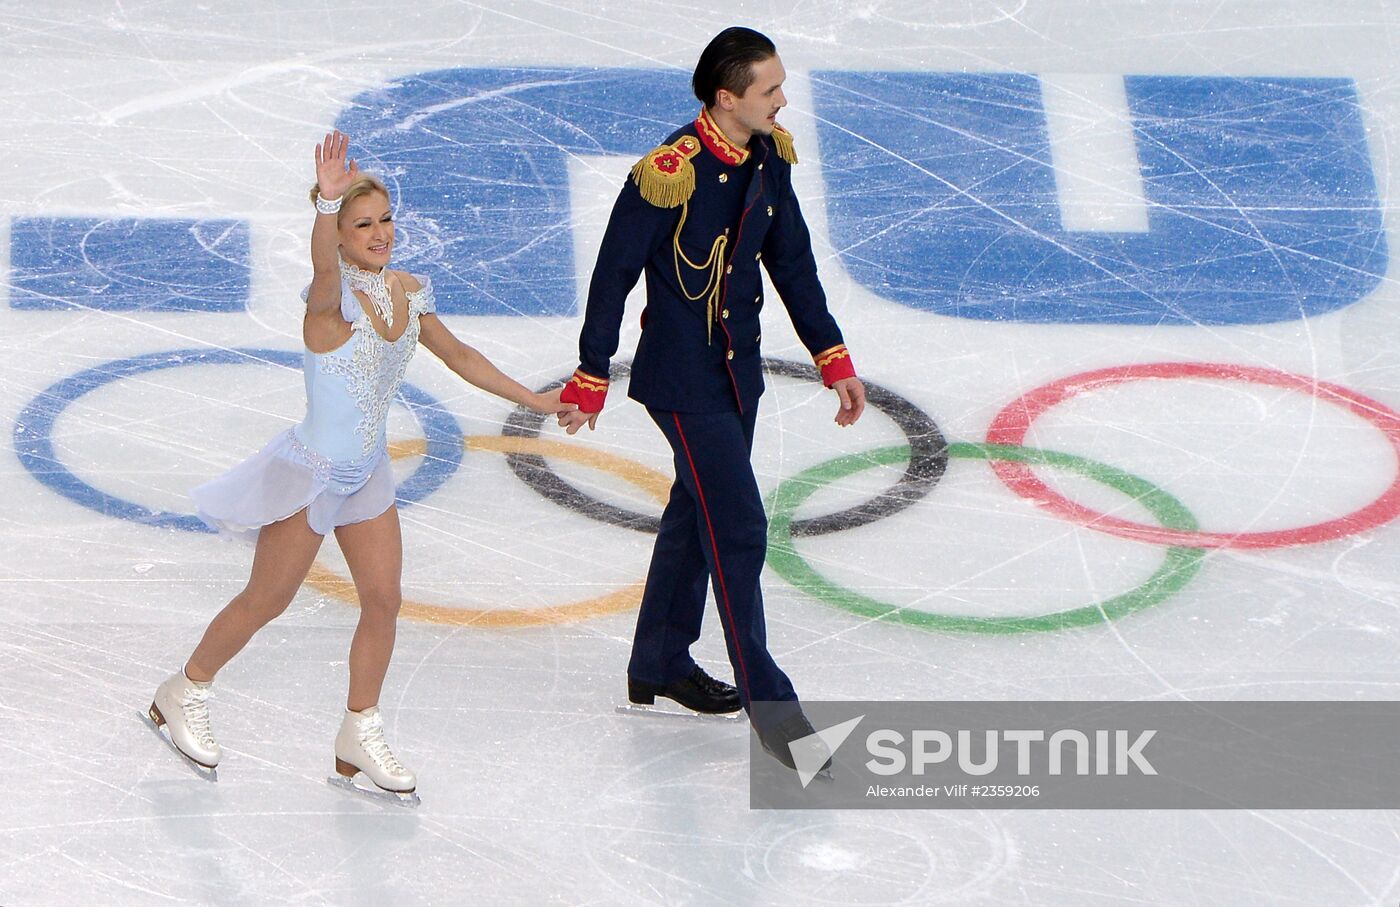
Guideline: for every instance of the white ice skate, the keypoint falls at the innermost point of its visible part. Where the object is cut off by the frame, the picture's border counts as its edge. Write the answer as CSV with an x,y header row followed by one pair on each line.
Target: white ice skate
x,y
181,707
360,749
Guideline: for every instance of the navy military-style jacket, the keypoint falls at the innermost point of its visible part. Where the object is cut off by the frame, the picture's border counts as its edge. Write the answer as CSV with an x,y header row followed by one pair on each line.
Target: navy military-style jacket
x,y
699,217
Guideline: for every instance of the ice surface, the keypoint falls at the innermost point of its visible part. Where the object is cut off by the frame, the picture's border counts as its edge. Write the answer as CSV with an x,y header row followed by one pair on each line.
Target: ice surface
x,y
153,243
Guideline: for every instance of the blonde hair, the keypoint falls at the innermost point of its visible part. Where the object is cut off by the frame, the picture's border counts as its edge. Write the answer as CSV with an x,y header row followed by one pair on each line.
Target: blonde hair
x,y
364,184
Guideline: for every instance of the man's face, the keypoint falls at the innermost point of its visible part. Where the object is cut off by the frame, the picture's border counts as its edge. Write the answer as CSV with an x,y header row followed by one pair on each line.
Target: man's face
x,y
757,110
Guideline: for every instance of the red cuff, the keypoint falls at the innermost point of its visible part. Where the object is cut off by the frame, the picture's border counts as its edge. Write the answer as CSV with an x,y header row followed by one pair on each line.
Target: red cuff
x,y
835,364
585,390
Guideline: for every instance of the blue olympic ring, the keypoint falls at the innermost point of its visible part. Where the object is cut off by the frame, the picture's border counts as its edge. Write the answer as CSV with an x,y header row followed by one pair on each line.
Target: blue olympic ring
x,y
35,423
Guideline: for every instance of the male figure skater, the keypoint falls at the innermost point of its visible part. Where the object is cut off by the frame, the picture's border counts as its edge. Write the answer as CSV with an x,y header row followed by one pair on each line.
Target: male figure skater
x,y
699,215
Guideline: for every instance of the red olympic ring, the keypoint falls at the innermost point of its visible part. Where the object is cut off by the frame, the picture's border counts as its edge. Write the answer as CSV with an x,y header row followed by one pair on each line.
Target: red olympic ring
x,y
1012,423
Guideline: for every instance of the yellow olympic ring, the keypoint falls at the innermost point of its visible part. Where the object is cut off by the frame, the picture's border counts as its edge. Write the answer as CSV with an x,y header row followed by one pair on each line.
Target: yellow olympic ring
x,y
648,480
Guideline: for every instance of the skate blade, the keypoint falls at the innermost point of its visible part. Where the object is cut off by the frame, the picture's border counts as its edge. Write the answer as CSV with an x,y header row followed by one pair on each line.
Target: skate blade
x,y
647,711
379,795
203,771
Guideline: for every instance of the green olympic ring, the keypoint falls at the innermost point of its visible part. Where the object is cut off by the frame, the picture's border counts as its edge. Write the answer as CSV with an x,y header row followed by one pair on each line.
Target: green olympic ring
x,y
1180,565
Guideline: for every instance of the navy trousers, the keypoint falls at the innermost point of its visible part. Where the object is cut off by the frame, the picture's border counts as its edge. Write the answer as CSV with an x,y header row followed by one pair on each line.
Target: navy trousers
x,y
713,532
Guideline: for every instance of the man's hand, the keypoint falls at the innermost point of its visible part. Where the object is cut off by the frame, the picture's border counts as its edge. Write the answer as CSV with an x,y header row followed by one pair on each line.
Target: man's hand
x,y
852,394
573,421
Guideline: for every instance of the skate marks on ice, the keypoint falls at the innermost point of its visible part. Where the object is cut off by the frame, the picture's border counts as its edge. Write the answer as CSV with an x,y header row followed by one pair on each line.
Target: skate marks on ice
x,y
675,805
667,827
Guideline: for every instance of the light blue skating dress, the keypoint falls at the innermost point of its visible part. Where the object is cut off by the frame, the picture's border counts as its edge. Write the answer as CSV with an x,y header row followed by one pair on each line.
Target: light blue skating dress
x,y
336,462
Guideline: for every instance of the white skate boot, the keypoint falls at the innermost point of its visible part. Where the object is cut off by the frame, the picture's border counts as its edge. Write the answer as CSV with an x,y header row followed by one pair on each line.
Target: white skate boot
x,y
360,747
181,706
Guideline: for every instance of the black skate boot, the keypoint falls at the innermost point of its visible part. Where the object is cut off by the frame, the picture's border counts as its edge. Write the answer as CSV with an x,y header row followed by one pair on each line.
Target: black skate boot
x,y
698,691
776,738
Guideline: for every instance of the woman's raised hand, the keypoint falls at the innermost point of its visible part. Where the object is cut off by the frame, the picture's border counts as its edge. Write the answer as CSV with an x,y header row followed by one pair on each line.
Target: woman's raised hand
x,y
333,172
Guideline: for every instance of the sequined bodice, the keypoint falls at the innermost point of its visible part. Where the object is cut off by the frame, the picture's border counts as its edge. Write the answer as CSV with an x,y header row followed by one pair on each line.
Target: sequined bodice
x,y
350,389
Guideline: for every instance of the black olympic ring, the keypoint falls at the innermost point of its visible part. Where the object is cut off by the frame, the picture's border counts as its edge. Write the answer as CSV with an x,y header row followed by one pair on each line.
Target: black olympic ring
x,y
928,458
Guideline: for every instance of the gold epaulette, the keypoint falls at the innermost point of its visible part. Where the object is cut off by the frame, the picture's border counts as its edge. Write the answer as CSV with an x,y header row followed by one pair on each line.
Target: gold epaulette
x,y
665,176
782,140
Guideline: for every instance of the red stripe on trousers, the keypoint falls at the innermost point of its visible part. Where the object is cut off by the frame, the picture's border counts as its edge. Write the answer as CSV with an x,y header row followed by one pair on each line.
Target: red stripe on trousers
x,y
719,571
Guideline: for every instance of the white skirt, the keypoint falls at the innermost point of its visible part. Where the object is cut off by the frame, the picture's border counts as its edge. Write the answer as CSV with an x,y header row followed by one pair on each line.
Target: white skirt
x,y
286,476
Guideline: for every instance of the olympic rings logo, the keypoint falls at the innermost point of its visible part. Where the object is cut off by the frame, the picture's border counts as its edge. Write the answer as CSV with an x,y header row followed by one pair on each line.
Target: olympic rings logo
x,y
34,427
927,460
648,480
1011,424
924,455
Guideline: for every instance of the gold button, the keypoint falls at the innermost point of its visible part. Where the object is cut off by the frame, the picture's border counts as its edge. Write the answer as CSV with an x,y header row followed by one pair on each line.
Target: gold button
x,y
724,313
724,177
758,338
757,256
760,166
757,298
729,269
770,210
729,355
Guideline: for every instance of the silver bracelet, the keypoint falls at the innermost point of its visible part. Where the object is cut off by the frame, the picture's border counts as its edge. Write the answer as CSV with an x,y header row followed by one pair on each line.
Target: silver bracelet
x,y
327,205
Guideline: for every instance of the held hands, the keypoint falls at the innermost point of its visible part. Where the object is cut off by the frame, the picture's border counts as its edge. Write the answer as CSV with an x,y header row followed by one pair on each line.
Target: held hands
x,y
850,390
571,422
852,394
333,172
549,403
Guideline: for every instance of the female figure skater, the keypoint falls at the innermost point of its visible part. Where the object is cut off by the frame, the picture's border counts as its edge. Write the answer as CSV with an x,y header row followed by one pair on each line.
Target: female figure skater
x,y
332,472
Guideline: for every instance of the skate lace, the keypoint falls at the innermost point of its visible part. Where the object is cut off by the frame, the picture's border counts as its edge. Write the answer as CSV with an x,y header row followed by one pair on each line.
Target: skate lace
x,y
708,684
372,740
195,705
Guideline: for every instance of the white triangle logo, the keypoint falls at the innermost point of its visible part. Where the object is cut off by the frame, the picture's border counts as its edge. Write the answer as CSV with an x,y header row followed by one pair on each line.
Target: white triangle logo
x,y
810,753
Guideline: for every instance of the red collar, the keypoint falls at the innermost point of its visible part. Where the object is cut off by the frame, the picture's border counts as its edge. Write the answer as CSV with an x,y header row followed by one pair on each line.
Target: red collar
x,y
714,139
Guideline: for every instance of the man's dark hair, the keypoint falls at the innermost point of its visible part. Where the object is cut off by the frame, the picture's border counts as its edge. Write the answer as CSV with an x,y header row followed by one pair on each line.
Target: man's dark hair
x,y
727,62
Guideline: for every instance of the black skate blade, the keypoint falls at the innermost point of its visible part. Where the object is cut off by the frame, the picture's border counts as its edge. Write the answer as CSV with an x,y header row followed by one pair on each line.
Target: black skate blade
x,y
203,771
646,711
377,794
